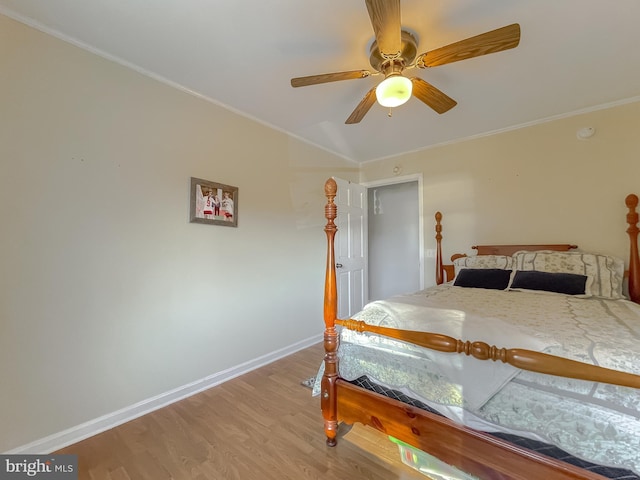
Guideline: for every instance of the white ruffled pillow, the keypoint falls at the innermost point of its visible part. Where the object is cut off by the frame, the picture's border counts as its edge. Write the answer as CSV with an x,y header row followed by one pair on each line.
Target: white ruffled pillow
x,y
503,262
607,272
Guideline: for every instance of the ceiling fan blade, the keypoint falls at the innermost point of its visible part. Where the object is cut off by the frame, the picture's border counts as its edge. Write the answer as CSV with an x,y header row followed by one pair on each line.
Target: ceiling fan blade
x,y
433,97
363,107
385,20
490,42
328,77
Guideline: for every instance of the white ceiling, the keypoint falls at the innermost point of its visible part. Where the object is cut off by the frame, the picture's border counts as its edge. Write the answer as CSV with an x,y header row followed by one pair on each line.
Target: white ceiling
x,y
574,55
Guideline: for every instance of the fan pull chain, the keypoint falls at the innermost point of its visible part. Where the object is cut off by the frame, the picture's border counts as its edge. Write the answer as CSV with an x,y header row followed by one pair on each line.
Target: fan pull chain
x,y
390,113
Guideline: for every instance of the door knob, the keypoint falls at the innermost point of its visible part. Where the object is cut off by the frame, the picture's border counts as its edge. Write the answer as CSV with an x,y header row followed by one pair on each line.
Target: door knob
x,y
338,265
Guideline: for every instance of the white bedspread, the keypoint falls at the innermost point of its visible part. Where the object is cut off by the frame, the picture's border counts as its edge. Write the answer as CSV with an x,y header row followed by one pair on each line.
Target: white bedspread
x,y
475,382
597,422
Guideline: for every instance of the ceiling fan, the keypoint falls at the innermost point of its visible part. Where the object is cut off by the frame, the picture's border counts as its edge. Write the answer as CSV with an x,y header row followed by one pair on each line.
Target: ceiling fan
x,y
395,50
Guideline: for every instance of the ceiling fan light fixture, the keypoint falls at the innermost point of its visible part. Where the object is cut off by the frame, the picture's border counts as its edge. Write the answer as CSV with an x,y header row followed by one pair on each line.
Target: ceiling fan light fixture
x,y
394,90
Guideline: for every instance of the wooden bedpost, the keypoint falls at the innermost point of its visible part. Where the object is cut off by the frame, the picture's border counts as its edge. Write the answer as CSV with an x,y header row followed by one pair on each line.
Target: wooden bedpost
x,y
444,273
634,261
439,269
328,400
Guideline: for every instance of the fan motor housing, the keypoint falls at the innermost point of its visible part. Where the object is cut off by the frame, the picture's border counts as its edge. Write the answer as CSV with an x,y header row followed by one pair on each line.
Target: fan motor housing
x,y
407,55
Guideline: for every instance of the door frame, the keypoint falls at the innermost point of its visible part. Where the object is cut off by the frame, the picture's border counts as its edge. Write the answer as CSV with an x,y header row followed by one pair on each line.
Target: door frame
x,y
405,179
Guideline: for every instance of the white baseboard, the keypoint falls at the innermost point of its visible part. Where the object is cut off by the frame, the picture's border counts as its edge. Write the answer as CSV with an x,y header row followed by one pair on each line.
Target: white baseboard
x,y
85,430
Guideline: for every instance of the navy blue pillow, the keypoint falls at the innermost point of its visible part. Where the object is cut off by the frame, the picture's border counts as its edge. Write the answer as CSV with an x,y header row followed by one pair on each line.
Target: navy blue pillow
x,y
491,278
567,283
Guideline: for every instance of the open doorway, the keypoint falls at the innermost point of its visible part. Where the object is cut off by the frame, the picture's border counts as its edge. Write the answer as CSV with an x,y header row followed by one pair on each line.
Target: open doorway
x,y
394,239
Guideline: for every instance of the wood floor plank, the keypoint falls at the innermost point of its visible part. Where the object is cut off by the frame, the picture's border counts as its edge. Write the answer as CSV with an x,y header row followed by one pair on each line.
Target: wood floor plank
x,y
263,425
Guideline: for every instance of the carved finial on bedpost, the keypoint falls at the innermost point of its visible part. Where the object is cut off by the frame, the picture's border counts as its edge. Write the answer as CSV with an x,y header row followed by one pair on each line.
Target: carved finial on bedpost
x,y
328,399
634,260
439,272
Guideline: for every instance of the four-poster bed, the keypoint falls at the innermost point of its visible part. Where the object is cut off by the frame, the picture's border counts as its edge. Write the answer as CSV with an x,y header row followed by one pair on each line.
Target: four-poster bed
x,y
481,454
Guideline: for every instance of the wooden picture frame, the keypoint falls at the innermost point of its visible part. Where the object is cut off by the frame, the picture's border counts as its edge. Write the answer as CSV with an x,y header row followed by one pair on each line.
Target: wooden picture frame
x,y
213,203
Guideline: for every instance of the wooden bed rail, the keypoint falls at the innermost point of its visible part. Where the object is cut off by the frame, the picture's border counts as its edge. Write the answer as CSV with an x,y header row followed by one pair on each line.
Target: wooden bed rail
x,y
520,358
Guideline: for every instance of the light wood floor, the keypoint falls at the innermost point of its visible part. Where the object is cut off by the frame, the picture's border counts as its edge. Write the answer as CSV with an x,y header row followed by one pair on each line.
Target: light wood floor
x,y
262,425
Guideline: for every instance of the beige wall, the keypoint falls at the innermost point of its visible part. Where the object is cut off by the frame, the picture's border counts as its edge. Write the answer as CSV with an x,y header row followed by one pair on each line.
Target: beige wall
x,y
108,296
533,185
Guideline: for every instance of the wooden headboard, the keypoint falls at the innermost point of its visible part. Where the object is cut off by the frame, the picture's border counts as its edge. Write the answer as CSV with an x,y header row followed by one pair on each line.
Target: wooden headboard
x,y
446,273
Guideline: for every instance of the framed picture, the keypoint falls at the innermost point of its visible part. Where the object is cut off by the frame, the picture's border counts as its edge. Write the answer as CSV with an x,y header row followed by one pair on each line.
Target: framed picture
x,y
213,203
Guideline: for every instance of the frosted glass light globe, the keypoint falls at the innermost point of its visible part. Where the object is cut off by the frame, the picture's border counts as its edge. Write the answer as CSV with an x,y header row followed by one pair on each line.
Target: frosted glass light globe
x,y
393,91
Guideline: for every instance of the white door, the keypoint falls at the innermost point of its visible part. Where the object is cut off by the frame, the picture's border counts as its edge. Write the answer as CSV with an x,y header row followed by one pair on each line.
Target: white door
x,y
351,247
